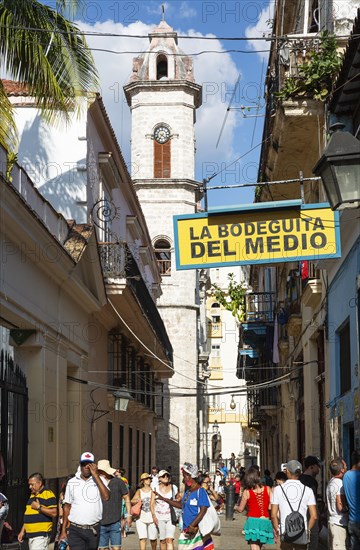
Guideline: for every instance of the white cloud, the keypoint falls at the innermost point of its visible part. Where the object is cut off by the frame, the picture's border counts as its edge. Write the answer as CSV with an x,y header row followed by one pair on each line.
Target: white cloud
x,y
216,72
262,28
186,11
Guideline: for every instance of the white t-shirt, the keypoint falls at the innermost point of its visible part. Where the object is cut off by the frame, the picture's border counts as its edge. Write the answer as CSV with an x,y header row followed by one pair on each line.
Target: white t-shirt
x,y
162,509
154,483
293,489
334,488
84,497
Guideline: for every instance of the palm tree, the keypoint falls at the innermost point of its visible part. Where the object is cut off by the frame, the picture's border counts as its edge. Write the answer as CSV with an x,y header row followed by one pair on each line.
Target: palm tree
x,y
46,52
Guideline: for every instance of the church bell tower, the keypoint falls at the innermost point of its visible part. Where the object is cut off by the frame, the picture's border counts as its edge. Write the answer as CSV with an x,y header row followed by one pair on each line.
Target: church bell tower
x,y
163,98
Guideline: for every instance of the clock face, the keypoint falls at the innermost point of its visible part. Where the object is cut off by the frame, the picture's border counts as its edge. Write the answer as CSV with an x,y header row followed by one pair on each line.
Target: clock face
x,y
161,134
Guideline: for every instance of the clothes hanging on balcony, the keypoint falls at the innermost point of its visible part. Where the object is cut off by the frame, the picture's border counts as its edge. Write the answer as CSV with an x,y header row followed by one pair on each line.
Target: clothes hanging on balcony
x,y
276,357
269,341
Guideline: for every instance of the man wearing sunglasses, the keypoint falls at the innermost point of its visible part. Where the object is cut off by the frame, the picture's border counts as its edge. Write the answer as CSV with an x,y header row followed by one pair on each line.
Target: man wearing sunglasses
x,y
83,506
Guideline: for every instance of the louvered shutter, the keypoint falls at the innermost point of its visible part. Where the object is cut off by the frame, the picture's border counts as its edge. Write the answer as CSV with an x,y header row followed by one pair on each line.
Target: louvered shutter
x,y
162,160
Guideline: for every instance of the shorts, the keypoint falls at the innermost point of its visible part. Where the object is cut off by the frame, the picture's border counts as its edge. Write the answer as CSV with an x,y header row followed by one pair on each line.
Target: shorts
x,y
112,533
39,543
146,530
166,529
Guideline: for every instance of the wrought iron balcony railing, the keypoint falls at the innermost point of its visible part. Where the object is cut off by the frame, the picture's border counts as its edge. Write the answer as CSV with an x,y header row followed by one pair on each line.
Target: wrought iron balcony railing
x,y
259,307
118,262
114,258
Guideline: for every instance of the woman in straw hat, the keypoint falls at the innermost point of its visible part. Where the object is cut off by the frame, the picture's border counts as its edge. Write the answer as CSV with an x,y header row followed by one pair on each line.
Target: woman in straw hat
x,y
147,524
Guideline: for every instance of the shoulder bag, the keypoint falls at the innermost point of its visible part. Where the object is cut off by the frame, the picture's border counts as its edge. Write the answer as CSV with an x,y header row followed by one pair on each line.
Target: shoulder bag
x,y
136,509
174,516
210,523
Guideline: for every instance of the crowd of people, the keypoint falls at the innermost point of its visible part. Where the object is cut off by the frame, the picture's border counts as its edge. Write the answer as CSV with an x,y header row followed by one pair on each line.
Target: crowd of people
x,y
96,507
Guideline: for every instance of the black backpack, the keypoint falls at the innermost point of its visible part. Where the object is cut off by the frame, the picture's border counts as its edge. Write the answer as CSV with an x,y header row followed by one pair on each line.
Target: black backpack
x,y
294,524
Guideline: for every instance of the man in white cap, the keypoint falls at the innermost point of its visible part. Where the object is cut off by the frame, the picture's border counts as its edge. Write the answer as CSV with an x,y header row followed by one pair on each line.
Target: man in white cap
x,y
83,505
291,497
110,527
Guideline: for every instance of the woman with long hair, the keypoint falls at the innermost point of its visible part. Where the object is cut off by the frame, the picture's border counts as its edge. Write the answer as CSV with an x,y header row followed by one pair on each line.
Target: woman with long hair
x,y
194,505
146,525
256,498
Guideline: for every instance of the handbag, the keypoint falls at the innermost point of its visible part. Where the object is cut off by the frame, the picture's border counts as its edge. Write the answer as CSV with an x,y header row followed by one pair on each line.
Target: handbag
x,y
136,509
210,523
174,518
174,512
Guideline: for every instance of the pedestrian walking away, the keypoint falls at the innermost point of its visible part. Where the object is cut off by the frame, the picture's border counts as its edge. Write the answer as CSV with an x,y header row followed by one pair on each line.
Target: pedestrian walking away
x,y
83,506
147,523
311,469
338,516
194,505
289,498
39,513
256,497
110,526
351,483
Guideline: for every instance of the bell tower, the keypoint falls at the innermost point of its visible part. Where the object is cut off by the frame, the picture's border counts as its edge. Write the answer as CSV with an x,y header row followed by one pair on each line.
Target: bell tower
x,y
163,98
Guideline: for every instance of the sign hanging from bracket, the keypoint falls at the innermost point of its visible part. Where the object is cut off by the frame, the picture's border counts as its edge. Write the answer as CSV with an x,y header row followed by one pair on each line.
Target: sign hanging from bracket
x,y
272,232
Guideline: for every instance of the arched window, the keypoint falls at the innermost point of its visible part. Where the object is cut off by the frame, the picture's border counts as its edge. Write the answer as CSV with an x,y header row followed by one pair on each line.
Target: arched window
x,y
161,67
163,255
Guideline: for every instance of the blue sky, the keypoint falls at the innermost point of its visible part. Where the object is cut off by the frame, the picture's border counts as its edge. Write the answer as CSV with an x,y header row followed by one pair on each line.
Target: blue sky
x,y
217,72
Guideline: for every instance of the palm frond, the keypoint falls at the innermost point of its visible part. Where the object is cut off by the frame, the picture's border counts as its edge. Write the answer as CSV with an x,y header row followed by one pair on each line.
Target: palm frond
x,y
8,135
43,49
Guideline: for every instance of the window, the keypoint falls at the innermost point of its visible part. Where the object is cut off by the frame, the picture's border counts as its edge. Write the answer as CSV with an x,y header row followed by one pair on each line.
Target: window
x,y
215,319
118,360
344,357
161,67
215,350
163,256
162,159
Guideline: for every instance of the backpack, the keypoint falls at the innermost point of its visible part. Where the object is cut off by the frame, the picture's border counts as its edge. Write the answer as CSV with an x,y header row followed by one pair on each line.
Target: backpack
x,y
294,524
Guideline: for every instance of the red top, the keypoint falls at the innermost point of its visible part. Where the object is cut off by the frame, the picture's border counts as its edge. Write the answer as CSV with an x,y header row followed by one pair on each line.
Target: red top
x,y
258,503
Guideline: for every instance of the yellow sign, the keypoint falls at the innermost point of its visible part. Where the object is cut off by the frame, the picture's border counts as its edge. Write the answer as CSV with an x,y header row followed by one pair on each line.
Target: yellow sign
x,y
289,232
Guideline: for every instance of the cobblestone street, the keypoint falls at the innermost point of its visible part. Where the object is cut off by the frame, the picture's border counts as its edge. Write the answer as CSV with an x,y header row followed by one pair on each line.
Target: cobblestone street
x,y
231,537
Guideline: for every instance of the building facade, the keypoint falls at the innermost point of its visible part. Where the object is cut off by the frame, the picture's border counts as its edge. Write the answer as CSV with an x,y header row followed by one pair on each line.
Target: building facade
x,y
307,398
84,290
226,387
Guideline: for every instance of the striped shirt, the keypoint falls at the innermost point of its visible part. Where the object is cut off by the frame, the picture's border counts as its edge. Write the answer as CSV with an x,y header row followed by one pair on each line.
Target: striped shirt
x,y
38,524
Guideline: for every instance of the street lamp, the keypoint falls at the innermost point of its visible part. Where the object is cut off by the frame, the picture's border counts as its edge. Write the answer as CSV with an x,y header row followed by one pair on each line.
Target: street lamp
x,y
232,403
122,398
215,427
339,169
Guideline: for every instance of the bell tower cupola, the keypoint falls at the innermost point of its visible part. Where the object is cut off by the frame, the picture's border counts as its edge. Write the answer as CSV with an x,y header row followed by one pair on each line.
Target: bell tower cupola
x,y
163,98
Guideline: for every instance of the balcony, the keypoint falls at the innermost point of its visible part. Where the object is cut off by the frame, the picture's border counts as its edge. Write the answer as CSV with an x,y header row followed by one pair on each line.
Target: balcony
x,y
216,372
311,296
247,358
114,258
214,330
259,307
123,274
268,398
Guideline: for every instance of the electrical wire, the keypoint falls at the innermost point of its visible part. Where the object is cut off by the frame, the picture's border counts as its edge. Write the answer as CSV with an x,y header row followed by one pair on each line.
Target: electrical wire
x,y
168,365
269,38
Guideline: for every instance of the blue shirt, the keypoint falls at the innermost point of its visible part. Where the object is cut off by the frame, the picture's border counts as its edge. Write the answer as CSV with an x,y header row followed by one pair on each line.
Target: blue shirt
x,y
351,483
191,505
